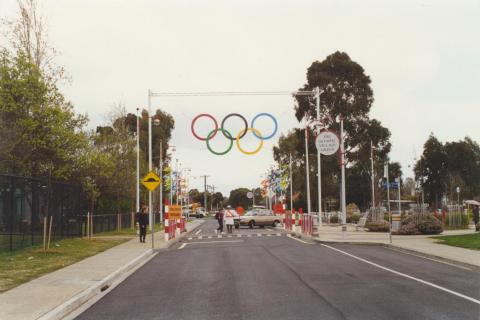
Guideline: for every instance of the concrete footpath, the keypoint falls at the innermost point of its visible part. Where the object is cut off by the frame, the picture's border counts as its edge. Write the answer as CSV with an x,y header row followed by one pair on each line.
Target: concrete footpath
x,y
421,244
56,294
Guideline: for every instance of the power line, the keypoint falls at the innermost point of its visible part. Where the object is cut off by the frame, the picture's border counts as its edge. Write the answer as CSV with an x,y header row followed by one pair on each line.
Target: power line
x,y
229,93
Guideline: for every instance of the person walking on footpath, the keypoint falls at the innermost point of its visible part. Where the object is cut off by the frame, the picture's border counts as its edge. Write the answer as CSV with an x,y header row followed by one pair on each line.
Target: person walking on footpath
x,y
142,221
229,215
219,217
475,215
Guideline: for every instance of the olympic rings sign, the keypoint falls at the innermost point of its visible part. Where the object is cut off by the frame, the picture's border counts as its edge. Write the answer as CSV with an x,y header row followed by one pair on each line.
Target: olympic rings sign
x,y
236,137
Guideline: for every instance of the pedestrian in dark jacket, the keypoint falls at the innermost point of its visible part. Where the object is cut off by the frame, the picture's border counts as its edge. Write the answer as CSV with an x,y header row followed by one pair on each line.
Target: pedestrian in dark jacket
x,y
142,221
475,215
219,217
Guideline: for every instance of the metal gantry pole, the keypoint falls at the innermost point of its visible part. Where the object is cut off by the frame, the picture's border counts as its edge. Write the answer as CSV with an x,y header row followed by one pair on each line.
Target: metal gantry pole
x,y
388,202
373,174
160,169
342,151
291,184
319,161
138,165
307,168
150,209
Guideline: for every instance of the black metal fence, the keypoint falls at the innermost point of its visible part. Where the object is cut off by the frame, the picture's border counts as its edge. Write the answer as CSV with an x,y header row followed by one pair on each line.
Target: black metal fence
x,y
25,202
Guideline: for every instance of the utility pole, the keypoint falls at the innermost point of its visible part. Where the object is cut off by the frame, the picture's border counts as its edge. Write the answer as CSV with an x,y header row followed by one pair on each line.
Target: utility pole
x,y
160,169
205,191
291,184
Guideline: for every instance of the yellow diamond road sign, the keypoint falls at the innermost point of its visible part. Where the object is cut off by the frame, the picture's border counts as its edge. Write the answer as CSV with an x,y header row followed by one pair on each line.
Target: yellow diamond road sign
x,y
151,181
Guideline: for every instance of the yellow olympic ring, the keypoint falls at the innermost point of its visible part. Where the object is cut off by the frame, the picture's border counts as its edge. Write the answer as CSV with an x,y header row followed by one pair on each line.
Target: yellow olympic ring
x,y
241,133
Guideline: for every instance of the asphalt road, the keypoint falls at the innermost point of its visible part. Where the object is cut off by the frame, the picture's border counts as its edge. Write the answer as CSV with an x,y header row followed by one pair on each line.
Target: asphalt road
x,y
275,277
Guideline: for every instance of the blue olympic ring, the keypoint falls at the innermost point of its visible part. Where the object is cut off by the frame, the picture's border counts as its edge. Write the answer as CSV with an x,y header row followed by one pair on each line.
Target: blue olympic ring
x,y
274,122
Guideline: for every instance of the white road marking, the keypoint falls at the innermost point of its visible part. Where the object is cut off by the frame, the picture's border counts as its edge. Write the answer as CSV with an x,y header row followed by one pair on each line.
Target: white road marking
x,y
259,235
269,235
198,231
182,246
209,237
239,235
200,242
405,275
190,238
249,235
293,238
279,234
200,237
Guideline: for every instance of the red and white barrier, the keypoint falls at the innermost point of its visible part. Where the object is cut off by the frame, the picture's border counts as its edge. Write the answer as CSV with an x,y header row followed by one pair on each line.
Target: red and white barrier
x,y
307,224
288,221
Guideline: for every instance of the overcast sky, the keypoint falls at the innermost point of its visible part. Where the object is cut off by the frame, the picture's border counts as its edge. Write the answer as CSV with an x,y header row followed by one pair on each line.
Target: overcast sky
x,y
423,58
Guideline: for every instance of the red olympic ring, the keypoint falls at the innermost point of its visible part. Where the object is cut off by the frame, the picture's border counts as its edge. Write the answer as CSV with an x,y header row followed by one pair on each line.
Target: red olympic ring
x,y
208,116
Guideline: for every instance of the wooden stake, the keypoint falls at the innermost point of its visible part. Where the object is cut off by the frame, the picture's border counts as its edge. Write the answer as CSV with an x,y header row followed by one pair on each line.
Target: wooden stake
x,y
44,233
50,232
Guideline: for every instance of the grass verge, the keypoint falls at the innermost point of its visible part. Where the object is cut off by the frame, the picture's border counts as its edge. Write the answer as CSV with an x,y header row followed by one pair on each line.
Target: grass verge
x,y
126,232
20,266
468,241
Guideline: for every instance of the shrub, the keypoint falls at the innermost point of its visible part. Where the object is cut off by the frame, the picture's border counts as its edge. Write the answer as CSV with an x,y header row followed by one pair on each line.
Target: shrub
x,y
430,225
378,226
334,219
477,227
408,229
353,218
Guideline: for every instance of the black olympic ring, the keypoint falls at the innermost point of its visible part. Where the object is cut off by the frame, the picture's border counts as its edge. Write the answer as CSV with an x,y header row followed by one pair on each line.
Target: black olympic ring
x,y
236,115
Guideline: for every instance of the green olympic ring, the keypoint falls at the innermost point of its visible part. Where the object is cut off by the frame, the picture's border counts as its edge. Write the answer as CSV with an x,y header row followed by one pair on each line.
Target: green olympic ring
x,y
227,134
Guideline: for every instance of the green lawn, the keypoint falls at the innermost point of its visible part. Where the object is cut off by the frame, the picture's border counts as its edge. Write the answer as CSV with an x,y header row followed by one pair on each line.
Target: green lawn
x,y
23,265
126,232
469,241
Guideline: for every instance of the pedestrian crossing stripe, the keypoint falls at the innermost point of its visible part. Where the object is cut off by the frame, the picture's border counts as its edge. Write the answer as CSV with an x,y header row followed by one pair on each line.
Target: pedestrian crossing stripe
x,y
240,235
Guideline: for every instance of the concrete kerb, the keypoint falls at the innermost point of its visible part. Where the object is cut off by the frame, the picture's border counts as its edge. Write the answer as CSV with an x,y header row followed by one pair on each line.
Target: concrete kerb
x,y
108,283
393,247
177,239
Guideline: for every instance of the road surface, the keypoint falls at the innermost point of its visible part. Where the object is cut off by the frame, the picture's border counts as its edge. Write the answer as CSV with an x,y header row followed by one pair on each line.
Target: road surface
x,y
273,276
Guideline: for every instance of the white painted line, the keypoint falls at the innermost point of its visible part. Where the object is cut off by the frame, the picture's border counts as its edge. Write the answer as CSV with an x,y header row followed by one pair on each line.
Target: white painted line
x,y
249,235
239,235
200,237
259,234
269,235
190,238
182,246
219,236
279,234
209,237
198,231
300,240
216,241
405,275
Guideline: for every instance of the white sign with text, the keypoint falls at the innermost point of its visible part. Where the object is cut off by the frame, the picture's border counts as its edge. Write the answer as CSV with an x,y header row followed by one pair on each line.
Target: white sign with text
x,y
327,143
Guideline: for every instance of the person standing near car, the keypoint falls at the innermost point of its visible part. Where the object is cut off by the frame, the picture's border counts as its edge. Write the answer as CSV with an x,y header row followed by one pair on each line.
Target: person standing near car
x,y
229,218
219,217
142,221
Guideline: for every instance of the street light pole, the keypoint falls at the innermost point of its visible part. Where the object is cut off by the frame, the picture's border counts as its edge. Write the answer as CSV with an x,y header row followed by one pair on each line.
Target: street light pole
x,y
160,169
150,211
138,165
291,184
373,174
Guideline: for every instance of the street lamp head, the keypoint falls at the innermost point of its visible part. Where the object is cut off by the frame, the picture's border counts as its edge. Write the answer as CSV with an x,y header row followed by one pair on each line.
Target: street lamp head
x,y
156,121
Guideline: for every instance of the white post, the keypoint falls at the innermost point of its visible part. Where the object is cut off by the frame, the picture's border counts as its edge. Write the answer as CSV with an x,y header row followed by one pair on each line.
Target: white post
x,y
150,209
319,163
388,202
138,165
399,196
307,168
373,174
171,182
342,157
291,184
